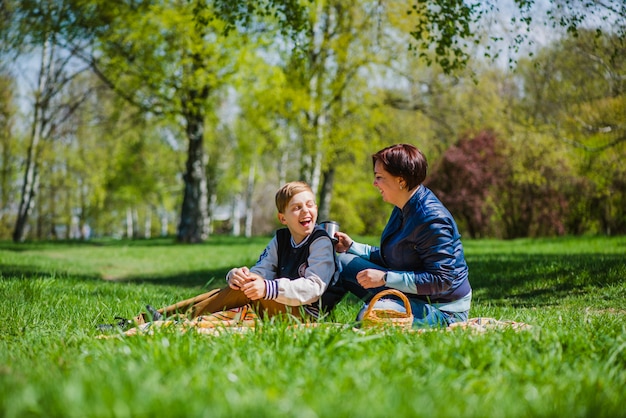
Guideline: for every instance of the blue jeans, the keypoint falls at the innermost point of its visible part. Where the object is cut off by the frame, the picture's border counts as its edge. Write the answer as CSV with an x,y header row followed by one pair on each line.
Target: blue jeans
x,y
425,315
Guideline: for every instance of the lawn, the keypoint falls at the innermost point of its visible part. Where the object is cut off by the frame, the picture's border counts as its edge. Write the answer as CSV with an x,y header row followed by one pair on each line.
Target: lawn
x,y
571,363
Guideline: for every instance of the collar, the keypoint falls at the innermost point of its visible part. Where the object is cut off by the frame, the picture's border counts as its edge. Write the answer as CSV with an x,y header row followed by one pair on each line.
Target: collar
x,y
417,194
293,243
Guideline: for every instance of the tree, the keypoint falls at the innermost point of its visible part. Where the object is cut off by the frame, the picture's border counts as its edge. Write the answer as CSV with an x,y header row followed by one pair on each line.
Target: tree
x,y
36,27
575,93
443,31
128,53
467,177
328,84
8,149
322,85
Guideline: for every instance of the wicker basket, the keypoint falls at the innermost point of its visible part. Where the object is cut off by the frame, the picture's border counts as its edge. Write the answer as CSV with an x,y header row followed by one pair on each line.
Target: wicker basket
x,y
388,317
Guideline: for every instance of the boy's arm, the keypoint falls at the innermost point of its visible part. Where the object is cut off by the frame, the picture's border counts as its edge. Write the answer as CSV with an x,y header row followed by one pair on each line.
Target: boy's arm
x,y
307,289
266,266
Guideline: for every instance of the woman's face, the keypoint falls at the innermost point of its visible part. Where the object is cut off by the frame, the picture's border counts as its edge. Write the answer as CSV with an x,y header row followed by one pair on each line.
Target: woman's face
x,y
388,185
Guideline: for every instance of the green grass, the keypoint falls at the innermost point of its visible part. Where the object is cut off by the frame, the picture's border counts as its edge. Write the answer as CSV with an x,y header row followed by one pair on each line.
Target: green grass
x,y
52,295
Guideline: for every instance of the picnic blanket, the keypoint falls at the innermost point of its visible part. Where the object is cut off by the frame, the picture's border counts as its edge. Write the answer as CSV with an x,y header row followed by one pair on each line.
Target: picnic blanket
x,y
236,319
482,324
244,319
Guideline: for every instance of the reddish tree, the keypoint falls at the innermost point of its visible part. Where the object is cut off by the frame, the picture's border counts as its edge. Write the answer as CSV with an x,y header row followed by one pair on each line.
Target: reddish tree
x,y
464,178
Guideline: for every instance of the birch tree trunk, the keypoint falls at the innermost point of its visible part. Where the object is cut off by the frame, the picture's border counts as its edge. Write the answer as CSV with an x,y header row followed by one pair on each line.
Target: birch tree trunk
x,y
249,198
129,223
147,232
235,216
318,157
164,222
326,195
31,170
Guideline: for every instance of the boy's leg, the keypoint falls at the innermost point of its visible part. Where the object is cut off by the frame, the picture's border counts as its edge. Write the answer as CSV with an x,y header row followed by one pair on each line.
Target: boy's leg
x,y
184,305
332,296
181,307
269,308
228,298
221,300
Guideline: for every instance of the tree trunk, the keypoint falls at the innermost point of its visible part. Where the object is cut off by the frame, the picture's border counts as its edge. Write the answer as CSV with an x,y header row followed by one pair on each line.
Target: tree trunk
x,y
6,158
318,157
164,222
135,223
282,168
147,231
31,170
193,218
129,223
31,180
235,216
317,171
326,194
211,178
249,197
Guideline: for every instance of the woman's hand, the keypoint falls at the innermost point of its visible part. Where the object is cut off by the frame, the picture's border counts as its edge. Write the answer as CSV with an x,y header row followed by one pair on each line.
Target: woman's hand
x,y
371,278
343,242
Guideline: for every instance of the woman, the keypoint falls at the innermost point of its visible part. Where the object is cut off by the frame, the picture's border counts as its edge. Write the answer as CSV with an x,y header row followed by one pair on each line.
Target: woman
x,y
420,251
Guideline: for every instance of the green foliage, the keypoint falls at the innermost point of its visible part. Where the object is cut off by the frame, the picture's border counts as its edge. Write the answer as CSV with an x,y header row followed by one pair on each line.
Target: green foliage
x,y
290,14
577,99
156,57
304,89
537,172
444,26
468,177
9,148
571,363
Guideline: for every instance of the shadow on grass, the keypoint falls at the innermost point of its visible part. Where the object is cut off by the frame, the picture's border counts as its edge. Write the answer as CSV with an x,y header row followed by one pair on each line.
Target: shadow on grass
x,y
209,279
533,280
189,278
511,279
216,240
26,272
198,278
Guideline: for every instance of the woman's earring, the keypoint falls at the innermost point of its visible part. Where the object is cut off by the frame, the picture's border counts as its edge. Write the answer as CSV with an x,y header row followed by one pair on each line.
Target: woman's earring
x,y
401,187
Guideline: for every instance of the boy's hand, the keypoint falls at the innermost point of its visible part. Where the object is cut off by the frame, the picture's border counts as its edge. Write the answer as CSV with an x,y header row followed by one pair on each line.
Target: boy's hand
x,y
238,277
255,288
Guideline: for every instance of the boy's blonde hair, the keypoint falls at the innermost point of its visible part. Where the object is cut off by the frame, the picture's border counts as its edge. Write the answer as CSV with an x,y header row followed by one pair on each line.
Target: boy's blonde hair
x,y
289,190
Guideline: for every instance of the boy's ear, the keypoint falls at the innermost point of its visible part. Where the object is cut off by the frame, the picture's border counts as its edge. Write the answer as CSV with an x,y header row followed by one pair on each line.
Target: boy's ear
x,y
282,219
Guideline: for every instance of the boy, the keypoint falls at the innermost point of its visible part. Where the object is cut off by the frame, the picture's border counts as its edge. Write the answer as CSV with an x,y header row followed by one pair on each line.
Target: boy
x,y
292,273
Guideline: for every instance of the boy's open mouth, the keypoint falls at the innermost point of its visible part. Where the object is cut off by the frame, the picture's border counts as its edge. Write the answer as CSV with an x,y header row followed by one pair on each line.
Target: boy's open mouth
x,y
305,222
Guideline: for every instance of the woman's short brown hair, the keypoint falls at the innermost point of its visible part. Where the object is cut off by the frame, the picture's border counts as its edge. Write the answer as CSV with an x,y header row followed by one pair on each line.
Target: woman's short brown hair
x,y
289,190
403,160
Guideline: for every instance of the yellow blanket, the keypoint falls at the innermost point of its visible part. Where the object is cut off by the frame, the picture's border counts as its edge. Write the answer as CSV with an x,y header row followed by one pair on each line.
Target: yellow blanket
x,y
243,319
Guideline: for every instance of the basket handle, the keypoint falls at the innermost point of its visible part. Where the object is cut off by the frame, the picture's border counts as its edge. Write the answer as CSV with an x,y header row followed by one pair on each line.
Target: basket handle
x,y
394,292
